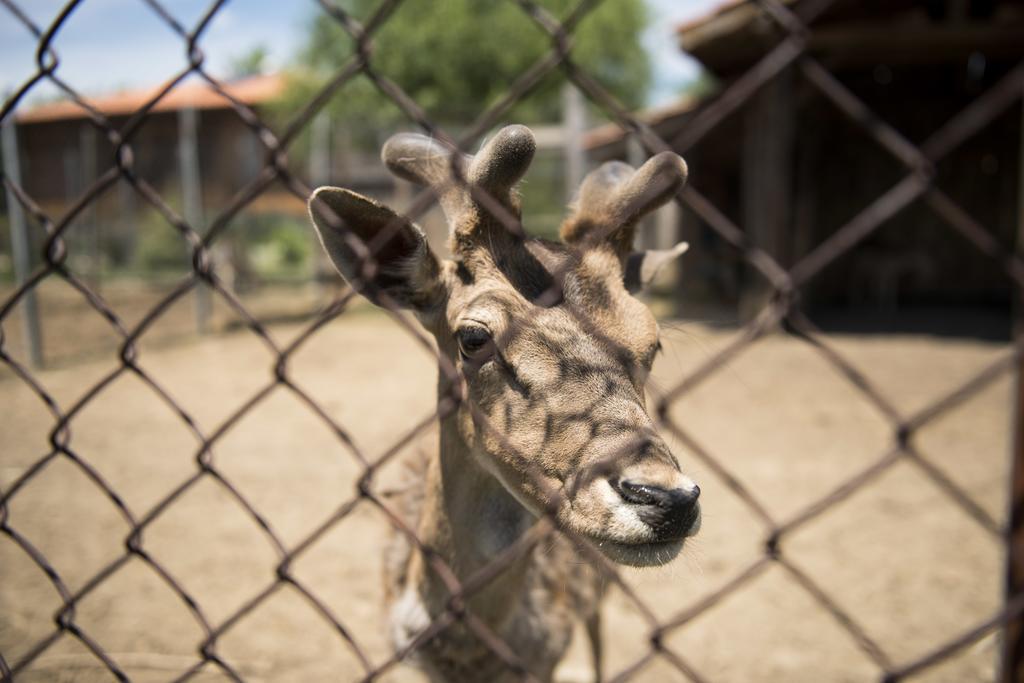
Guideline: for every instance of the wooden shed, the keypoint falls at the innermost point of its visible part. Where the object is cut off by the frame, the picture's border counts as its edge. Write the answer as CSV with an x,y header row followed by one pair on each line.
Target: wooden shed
x,y
61,150
789,167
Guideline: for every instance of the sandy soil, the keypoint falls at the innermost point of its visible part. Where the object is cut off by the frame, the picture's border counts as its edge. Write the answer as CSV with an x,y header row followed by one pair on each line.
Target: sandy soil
x,y
73,331
902,560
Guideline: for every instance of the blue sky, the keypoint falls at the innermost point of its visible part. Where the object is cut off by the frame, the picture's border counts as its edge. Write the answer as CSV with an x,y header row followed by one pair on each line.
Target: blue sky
x,y
108,45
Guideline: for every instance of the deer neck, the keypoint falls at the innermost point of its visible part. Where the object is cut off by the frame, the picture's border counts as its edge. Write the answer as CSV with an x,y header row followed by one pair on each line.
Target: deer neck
x,y
469,518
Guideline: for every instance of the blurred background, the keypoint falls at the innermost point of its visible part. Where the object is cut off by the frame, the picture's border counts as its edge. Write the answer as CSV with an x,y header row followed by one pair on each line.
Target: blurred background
x,y
878,155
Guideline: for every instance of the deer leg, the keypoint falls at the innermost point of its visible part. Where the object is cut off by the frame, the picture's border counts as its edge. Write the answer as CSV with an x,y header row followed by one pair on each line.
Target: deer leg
x,y
593,625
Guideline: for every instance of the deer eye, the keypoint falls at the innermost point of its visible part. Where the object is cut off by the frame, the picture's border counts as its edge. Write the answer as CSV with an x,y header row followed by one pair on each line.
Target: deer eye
x,y
474,342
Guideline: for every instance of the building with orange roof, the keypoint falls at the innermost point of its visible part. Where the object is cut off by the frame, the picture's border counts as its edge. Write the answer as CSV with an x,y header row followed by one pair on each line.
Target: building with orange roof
x,y
62,149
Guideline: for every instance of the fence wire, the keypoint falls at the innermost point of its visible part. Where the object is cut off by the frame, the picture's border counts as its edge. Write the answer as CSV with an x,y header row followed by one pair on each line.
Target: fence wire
x,y
781,312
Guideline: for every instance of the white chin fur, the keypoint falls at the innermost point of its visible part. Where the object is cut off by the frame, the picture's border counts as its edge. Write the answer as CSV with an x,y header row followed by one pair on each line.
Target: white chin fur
x,y
642,554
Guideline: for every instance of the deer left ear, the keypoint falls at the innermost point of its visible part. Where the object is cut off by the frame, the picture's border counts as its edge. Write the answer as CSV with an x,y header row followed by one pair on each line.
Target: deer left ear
x,y
382,254
643,266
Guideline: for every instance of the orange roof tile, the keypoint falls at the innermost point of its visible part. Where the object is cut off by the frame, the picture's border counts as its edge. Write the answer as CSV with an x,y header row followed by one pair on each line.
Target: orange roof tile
x,y
196,94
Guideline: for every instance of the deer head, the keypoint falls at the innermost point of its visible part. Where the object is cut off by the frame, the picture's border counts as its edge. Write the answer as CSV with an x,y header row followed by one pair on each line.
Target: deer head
x,y
552,347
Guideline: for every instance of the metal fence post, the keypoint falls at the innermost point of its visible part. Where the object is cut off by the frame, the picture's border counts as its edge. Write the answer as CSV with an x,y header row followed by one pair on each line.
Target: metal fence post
x,y
192,198
1013,636
20,245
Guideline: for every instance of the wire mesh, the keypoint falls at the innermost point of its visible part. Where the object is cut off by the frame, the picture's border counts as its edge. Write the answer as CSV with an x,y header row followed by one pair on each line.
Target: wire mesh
x,y
782,311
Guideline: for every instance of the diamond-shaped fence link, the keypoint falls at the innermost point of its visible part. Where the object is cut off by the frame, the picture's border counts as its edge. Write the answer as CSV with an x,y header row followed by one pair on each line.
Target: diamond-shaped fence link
x,y
782,311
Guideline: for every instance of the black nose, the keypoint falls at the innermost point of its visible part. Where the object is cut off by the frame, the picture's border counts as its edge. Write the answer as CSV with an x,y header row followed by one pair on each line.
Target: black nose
x,y
669,512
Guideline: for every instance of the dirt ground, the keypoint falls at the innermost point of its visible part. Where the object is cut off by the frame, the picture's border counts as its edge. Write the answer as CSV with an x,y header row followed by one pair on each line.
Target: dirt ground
x,y
897,556
72,331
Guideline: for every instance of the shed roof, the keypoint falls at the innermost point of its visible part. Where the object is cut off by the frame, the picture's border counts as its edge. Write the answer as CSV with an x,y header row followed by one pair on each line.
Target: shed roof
x,y
611,133
195,94
734,34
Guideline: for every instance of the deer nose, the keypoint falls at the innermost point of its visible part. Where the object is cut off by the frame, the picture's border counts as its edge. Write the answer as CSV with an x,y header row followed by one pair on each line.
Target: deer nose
x,y
671,513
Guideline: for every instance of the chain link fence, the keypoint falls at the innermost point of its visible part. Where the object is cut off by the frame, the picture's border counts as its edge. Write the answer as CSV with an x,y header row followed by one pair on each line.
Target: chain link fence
x,y
781,311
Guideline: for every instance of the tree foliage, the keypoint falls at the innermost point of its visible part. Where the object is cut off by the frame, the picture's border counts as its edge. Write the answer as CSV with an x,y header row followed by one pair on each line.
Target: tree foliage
x,y
457,57
250,63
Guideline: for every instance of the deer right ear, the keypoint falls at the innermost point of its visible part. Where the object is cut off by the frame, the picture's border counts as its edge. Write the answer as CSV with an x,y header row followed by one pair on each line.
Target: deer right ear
x,y
383,255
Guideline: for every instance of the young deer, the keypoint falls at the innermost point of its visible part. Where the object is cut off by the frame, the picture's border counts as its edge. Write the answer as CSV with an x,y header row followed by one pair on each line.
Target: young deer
x,y
553,352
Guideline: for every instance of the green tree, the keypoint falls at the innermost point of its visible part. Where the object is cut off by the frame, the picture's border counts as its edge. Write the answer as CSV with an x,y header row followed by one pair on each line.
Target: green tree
x,y
251,63
457,57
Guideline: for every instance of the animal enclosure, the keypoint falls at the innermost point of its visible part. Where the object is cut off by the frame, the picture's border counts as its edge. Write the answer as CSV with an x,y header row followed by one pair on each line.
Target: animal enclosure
x,y
216,509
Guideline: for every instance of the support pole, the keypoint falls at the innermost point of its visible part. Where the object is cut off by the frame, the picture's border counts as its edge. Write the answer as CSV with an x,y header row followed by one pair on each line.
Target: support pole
x,y
659,229
319,175
1013,636
1012,665
320,150
192,199
89,223
635,157
649,232
573,125
20,245
767,187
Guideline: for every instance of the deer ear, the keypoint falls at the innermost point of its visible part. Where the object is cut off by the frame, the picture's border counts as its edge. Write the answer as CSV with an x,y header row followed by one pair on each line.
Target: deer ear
x,y
383,255
642,266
